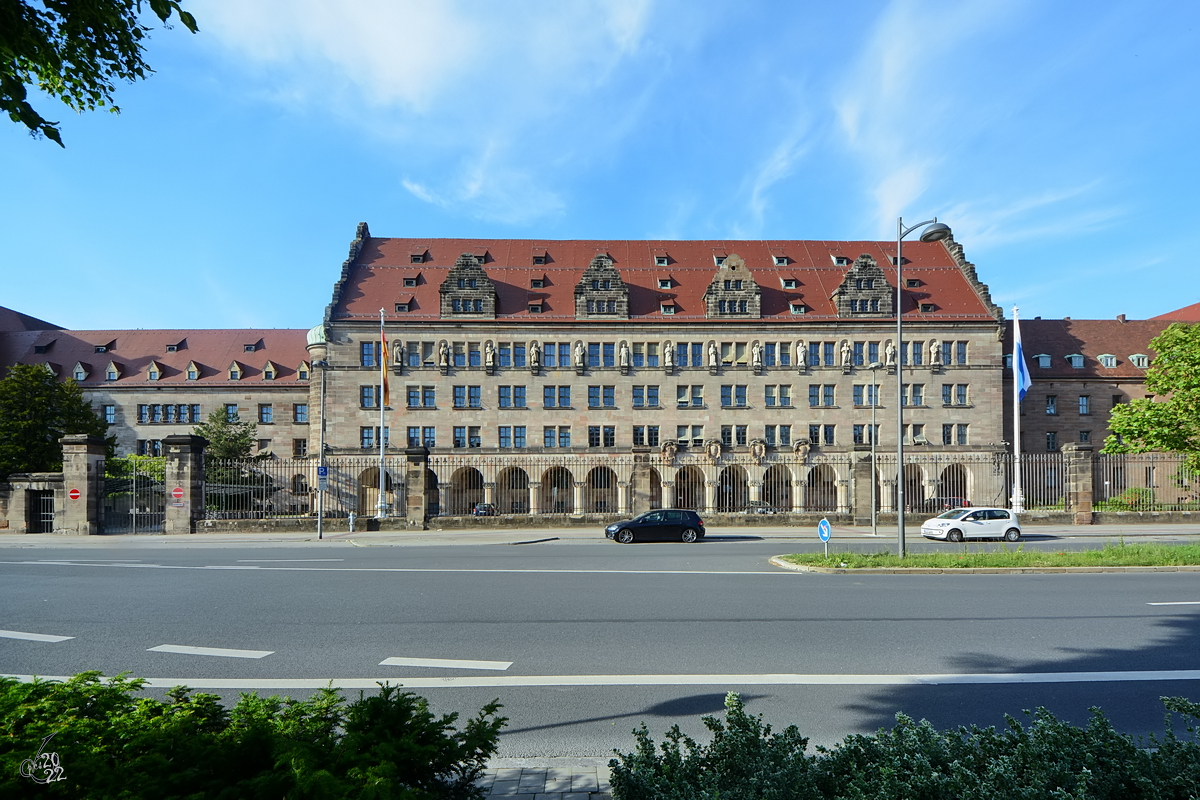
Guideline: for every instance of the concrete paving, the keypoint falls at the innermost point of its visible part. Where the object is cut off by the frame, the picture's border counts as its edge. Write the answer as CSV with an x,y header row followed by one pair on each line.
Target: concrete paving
x,y
547,779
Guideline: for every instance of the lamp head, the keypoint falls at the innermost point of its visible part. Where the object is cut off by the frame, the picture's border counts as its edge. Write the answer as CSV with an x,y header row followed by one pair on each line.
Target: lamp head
x,y
874,365
936,232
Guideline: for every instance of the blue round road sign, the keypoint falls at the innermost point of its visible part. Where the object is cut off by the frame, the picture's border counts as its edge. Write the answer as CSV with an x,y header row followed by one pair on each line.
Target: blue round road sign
x,y
823,530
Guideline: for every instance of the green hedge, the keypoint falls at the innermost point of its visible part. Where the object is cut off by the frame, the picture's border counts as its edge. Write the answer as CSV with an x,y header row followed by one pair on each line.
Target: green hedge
x,y
1047,758
113,745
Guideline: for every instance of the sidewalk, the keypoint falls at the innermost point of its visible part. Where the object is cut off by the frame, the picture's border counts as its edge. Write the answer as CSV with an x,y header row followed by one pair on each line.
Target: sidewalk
x,y
547,779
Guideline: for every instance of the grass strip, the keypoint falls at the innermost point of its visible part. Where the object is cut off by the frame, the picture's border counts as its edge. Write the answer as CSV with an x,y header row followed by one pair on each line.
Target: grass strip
x,y
1112,555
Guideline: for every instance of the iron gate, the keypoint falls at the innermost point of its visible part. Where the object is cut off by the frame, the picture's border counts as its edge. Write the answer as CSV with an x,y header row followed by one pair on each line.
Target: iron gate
x,y
135,498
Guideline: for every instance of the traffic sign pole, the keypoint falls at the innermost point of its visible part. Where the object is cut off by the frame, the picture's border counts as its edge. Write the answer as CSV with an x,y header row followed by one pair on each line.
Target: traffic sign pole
x,y
823,530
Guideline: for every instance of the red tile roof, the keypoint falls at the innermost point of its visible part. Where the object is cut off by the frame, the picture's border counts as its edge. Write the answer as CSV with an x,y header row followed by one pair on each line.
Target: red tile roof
x,y
375,278
133,351
16,321
1186,314
1090,338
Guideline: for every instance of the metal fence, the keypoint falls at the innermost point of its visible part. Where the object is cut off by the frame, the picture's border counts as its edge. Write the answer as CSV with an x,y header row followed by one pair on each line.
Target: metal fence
x,y
282,488
1144,482
135,497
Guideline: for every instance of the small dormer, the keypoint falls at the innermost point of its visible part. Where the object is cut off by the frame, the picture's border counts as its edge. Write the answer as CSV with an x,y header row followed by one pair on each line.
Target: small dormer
x,y
418,254
270,371
864,292
250,348
44,347
661,258
236,371
1140,360
112,372
302,371
1075,360
467,290
839,261
153,371
601,293
1043,360
733,291
51,368
539,256
411,280
80,372
175,347
1107,360
193,371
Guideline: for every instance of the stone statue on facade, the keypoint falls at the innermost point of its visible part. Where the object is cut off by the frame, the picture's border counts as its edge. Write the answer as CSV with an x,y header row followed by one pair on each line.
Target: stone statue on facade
x,y
801,354
444,354
624,354
579,355
489,354
398,354
668,354
756,355
714,360
890,354
935,353
847,355
535,354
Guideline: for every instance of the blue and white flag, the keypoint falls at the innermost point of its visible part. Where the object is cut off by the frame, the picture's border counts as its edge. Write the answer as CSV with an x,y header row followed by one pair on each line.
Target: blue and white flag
x,y
1020,368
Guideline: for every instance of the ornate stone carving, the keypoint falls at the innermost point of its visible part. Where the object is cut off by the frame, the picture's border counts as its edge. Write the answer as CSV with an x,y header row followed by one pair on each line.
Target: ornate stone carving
x,y
712,449
758,451
669,450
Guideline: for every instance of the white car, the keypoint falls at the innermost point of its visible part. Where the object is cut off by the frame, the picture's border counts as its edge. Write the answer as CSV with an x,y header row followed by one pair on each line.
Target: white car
x,y
973,523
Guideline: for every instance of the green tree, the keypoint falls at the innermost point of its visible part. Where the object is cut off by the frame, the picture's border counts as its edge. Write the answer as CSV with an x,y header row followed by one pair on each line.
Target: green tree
x,y
228,438
73,50
36,410
1169,419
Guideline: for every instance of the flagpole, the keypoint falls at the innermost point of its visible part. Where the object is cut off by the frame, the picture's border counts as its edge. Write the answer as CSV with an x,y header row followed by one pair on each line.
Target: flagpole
x,y
1018,359
383,359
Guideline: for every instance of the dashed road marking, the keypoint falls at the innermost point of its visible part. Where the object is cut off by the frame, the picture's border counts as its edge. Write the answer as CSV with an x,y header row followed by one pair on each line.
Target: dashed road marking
x,y
33,637
208,651
444,663
1177,603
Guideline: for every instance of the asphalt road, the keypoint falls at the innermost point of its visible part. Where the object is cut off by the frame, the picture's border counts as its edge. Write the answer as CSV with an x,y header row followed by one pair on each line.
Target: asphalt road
x,y
582,640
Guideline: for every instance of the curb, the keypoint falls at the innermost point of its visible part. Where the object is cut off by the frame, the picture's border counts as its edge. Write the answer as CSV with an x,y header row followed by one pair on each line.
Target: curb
x,y
779,562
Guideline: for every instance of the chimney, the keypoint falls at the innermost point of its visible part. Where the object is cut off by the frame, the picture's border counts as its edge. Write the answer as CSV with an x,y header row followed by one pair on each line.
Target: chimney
x,y
1120,317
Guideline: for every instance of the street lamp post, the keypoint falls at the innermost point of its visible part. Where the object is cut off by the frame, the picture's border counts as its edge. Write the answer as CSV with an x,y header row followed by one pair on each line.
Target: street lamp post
x,y
324,365
934,233
874,366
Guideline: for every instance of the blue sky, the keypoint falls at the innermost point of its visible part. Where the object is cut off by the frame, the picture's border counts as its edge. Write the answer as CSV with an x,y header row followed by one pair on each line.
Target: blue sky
x,y
1057,139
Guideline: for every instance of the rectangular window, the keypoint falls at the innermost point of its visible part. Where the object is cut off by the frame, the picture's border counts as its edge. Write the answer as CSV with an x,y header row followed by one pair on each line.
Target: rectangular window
x,y
366,354
366,438
872,352
947,434
366,396
429,436
549,356
681,395
785,435
739,396
460,397
168,413
460,354
858,354
299,448
960,394
814,354
549,436
697,397
827,396
727,435
697,436
505,437
652,396
1051,404
697,354
726,396
414,396
1085,404
814,395
427,397
639,354
593,354
549,396
947,393
828,354
768,357
918,394
961,434
681,435
413,355
593,397
518,397
960,353
518,436
475,396
473,437
739,435
414,436
639,435
610,354
785,394
814,434
859,399
144,413
639,396
231,412
785,355
300,412
769,396
769,435
474,357
1116,400
1085,437
652,436
610,436
610,397
651,355
564,437
504,396
110,414
564,397
460,436
196,412
265,414
518,355
828,438
1051,440
859,434
917,353
681,354
504,355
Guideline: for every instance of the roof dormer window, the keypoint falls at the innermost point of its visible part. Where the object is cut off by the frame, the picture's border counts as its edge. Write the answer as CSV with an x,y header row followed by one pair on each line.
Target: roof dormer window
x,y
1075,360
269,372
401,308
789,283
912,283
100,348
193,371
840,261
667,308
718,260
1107,360
153,374
535,308
660,261
1140,360
664,283
112,372
781,261
79,373
302,373
410,283
539,261
926,307
249,348
40,348
1043,360
172,348
417,258
235,373
798,308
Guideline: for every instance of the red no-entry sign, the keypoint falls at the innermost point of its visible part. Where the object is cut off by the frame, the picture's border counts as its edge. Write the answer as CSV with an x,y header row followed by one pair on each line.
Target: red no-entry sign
x,y
73,494
177,493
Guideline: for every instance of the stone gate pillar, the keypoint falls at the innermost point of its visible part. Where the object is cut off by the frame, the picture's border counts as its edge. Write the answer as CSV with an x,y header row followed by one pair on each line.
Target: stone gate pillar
x,y
1077,459
416,504
83,473
184,475
863,484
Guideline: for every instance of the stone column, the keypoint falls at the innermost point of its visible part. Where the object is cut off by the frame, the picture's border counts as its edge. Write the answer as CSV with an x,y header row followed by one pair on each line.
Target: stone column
x,y
798,498
416,503
184,470
710,496
489,492
843,496
755,491
1077,459
668,494
535,498
864,484
623,497
887,495
83,472
577,498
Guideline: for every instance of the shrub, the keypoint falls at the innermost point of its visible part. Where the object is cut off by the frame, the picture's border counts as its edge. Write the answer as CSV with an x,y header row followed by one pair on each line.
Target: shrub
x,y
113,745
1046,759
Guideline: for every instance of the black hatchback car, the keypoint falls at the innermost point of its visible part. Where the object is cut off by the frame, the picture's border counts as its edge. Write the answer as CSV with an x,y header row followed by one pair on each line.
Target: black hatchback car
x,y
663,524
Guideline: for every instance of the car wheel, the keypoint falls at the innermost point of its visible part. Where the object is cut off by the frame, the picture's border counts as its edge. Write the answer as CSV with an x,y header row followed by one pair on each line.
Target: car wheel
x,y
625,536
1012,535
689,535
954,536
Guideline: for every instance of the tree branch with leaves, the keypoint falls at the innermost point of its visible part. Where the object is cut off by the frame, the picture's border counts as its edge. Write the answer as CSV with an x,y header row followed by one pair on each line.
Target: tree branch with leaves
x,y
75,51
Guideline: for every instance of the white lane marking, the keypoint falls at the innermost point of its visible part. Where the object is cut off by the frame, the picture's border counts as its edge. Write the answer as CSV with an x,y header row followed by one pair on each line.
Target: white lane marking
x,y
33,637
282,560
1177,603
447,663
208,651
781,679
600,571
101,560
